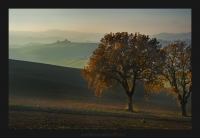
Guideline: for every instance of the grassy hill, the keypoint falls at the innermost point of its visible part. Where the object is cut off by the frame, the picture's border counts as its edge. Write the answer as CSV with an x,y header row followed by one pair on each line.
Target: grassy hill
x,y
75,63
48,81
60,53
43,96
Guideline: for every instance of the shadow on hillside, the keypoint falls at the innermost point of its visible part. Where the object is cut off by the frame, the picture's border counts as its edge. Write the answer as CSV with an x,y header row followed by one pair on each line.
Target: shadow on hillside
x,y
140,115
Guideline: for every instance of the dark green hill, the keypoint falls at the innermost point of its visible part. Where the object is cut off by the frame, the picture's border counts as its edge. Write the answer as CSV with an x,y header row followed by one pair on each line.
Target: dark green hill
x,y
40,80
28,79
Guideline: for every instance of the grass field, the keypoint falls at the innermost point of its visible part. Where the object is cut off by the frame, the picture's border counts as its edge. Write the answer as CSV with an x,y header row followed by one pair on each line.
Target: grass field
x,y
55,98
61,54
76,63
90,116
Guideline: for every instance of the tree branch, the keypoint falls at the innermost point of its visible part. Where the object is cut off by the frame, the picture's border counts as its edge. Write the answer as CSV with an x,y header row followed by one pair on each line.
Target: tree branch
x,y
190,90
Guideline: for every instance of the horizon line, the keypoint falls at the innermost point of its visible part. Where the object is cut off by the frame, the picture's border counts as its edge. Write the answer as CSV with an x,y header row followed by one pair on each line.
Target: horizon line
x,y
89,32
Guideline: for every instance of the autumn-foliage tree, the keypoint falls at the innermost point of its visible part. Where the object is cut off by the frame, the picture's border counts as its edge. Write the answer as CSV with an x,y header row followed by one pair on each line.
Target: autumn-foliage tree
x,y
177,72
124,59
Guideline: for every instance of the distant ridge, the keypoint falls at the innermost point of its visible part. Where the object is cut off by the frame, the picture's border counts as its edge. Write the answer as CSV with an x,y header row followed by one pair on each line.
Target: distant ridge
x,y
49,36
173,36
42,37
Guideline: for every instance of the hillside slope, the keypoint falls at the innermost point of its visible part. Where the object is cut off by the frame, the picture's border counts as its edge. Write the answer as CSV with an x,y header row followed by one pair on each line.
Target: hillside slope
x,y
42,81
55,53
61,53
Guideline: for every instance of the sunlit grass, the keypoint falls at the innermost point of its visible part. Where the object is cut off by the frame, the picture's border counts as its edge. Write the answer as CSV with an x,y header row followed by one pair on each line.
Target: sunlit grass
x,y
135,108
71,63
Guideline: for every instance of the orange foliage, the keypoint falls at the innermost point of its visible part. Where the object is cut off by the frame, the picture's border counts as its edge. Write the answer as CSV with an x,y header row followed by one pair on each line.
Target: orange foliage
x,y
123,59
177,70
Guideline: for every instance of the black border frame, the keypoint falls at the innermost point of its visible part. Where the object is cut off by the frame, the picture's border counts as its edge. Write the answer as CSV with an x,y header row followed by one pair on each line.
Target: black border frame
x,y
99,4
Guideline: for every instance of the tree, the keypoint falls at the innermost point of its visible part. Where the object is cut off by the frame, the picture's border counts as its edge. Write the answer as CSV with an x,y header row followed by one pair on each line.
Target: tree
x,y
177,72
123,59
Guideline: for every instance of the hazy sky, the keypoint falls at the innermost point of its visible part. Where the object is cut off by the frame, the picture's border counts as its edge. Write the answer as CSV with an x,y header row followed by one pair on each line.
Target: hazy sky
x,y
147,21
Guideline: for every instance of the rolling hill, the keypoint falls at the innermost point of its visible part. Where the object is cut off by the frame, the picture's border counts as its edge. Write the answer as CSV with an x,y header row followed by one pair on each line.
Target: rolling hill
x,y
43,96
19,38
36,80
61,53
50,36
66,53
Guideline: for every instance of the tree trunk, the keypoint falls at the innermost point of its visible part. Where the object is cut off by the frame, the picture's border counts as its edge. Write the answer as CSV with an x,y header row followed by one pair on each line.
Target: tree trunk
x,y
130,94
183,109
129,103
182,103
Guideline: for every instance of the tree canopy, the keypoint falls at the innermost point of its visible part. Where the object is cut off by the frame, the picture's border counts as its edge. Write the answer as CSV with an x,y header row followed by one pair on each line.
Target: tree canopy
x,y
174,74
124,59
177,72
